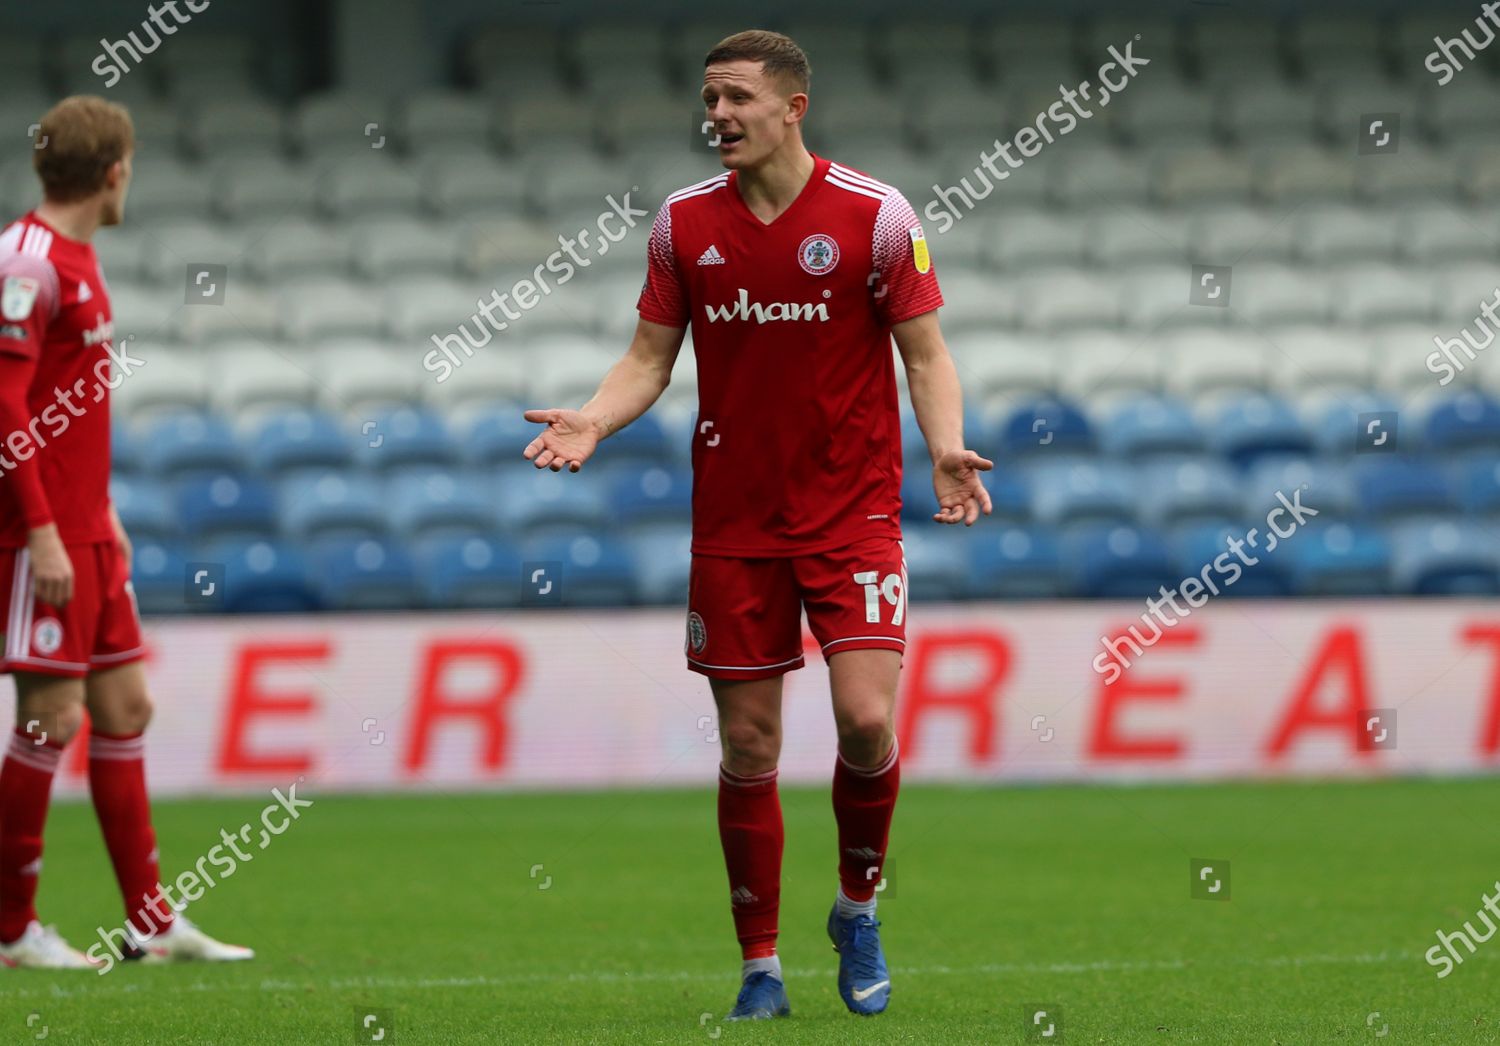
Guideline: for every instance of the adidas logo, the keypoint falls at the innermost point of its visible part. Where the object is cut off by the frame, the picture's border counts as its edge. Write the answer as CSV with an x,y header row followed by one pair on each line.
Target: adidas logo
x,y
712,256
84,292
742,895
864,851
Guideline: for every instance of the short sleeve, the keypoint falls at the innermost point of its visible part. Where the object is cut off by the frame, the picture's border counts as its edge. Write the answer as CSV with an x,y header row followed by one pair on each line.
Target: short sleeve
x,y
28,302
664,297
906,283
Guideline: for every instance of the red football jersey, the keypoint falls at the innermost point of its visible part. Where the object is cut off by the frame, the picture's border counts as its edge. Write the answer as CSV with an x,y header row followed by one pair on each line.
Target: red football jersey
x,y
798,445
54,311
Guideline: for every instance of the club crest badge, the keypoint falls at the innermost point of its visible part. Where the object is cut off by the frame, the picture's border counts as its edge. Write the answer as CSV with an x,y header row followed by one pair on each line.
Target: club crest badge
x,y
697,635
47,636
818,254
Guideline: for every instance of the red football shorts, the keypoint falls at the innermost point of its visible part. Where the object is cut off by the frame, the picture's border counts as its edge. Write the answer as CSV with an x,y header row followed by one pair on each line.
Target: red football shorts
x,y
98,629
745,615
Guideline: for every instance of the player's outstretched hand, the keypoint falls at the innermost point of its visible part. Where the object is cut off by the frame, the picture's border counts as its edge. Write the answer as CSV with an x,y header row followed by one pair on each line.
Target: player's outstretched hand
x,y
961,496
568,440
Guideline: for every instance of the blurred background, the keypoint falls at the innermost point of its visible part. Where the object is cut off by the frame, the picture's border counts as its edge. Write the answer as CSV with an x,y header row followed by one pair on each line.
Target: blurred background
x,y
1228,282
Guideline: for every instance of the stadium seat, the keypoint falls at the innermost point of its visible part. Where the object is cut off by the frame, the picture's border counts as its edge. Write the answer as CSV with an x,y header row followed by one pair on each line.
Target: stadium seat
x,y
937,564
597,571
1201,552
145,508
1183,492
1269,112
470,572
663,559
1326,486
651,495
1451,558
436,503
315,310
1045,427
1101,367
1119,562
1340,560
391,247
253,377
332,505
1033,239
1335,47
226,505
366,574
296,250
1387,489
299,439
406,437
1479,487
1341,232
1248,428
363,377
183,443
1067,495
158,575
535,502
1122,236
1467,421
1011,562
1148,426
263,577
1243,231
234,127
1339,426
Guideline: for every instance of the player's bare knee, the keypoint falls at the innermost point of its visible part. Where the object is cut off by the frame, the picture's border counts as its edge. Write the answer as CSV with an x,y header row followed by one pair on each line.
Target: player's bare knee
x,y
127,712
750,746
863,735
50,722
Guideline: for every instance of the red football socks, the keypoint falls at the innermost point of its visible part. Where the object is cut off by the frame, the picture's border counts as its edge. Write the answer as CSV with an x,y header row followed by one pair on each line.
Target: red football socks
x,y
751,833
864,797
117,782
25,792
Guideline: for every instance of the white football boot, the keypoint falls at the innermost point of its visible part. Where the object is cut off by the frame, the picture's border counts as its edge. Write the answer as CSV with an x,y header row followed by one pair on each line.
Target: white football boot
x,y
42,948
184,942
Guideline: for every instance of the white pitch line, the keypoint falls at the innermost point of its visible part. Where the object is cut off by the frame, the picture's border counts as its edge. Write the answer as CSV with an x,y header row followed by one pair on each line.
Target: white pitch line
x,y
57,991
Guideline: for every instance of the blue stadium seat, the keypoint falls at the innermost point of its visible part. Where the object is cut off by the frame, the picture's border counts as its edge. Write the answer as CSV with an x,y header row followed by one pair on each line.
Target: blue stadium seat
x,y
1479,486
639,496
145,508
263,577
1123,562
977,435
1340,559
405,437
1016,563
1260,574
1045,427
643,442
471,572
1188,491
333,505
1248,428
183,443
532,501
1149,425
436,503
937,563
1446,559
1325,486
158,573
663,559
1467,421
300,439
498,435
227,505
1336,426
366,574
1074,492
596,571
1388,489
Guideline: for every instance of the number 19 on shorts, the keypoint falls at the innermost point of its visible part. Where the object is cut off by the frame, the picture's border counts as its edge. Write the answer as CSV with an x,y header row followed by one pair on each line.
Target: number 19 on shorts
x,y
890,589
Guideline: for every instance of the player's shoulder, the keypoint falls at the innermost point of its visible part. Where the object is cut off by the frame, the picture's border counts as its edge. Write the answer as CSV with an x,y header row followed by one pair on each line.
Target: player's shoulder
x,y
696,191
26,249
861,184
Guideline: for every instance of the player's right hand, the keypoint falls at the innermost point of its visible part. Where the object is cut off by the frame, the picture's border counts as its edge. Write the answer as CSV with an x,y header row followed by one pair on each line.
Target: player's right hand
x,y
50,566
569,439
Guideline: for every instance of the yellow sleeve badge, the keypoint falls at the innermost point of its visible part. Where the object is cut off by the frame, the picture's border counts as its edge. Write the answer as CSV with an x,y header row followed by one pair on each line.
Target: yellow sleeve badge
x,y
919,256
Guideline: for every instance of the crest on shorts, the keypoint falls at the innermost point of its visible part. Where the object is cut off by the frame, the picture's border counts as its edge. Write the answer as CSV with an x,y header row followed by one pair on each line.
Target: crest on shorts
x,y
46,635
17,297
818,254
697,635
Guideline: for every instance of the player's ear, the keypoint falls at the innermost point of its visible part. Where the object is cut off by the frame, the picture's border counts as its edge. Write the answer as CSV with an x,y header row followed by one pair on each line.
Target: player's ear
x,y
796,107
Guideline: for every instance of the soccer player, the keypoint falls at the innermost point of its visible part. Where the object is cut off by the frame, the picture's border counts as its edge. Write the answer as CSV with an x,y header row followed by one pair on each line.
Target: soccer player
x,y
72,636
795,272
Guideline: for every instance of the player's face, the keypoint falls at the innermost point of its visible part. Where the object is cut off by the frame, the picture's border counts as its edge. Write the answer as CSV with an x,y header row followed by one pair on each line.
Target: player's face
x,y
749,113
115,192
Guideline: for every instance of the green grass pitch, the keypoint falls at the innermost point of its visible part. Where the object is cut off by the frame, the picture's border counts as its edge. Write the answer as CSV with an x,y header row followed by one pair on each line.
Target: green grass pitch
x,y
430,913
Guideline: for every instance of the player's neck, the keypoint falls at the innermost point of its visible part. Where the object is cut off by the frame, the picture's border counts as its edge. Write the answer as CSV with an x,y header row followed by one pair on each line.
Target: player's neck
x,y
769,188
77,221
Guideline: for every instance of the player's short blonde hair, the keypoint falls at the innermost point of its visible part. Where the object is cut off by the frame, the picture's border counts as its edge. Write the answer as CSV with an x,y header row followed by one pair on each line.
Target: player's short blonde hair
x,y
779,54
78,141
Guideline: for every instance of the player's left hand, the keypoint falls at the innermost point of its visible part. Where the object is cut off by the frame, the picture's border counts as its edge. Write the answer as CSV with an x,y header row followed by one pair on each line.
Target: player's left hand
x,y
961,496
121,538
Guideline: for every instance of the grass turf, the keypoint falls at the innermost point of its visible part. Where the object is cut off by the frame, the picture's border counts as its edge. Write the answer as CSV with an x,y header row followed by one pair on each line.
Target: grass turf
x,y
425,911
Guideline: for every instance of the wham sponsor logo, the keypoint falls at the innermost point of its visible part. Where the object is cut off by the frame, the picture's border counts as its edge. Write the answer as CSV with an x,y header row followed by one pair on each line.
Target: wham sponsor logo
x,y
745,309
